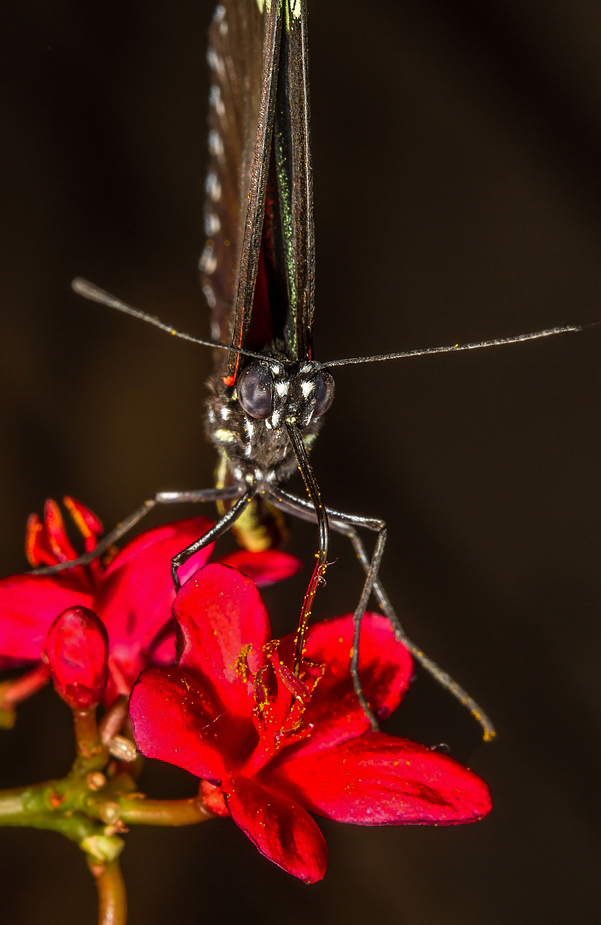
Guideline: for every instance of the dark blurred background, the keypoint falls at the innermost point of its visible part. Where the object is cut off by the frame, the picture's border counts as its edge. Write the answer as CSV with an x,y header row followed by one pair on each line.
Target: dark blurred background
x,y
457,162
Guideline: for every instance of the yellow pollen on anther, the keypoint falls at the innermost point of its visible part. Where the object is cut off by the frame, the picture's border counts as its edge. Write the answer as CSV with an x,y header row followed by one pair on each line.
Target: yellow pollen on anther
x,y
242,668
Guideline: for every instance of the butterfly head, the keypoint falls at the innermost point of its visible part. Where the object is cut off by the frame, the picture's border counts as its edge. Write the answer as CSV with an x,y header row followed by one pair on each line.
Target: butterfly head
x,y
278,392
247,421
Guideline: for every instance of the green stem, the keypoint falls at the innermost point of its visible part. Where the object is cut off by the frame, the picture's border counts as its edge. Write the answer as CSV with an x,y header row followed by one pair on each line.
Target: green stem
x,y
112,900
12,806
52,806
137,811
15,811
19,806
76,815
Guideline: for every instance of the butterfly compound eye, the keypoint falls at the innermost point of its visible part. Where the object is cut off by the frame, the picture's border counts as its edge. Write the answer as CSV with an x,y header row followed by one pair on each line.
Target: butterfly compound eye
x,y
324,393
255,391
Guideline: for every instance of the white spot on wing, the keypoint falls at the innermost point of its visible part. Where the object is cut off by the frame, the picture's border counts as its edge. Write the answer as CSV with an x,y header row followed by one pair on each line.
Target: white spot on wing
x,y
282,387
219,13
215,62
211,302
216,101
215,143
208,260
213,186
212,224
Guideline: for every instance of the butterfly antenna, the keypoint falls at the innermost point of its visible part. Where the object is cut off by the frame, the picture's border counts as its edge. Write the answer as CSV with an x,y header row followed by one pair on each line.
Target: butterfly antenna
x,y
456,348
89,291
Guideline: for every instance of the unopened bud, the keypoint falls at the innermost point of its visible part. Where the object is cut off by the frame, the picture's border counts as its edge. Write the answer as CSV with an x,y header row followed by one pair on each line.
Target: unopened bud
x,y
102,848
110,813
77,652
123,749
96,780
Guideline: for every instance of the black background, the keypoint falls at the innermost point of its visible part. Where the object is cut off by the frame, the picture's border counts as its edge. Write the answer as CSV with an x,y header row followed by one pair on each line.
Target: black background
x,y
457,162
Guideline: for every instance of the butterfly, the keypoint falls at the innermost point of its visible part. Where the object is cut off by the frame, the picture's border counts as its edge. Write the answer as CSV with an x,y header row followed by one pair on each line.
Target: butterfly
x,y
268,395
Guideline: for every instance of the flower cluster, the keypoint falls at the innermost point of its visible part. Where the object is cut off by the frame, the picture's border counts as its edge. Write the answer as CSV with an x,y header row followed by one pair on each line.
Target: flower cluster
x,y
273,740
131,594
272,745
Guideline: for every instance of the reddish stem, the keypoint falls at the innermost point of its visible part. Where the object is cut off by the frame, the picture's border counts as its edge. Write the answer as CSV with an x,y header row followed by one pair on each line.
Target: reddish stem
x,y
113,720
13,692
86,733
112,900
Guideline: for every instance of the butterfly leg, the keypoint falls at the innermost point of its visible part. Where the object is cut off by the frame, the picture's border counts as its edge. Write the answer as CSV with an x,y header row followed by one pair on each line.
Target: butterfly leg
x,y
321,518
211,535
162,497
347,525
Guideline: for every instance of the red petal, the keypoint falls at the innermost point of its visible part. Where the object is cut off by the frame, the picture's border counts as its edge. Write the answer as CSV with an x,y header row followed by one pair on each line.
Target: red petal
x,y
28,606
264,567
174,721
385,668
377,779
222,617
77,650
177,535
137,591
279,827
163,651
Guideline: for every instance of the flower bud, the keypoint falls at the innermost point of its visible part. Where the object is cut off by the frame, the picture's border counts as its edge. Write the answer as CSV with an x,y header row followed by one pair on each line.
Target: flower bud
x,y
77,652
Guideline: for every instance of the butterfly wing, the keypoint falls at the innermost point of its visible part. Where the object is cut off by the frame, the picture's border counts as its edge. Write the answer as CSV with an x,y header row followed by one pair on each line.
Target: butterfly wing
x,y
283,308
292,163
243,56
258,264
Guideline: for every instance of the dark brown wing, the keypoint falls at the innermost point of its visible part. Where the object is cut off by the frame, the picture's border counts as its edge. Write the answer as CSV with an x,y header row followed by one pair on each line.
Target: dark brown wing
x,y
244,42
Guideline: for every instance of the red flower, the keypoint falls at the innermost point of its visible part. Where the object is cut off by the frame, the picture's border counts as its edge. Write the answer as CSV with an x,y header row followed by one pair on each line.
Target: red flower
x,y
77,653
271,746
132,594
